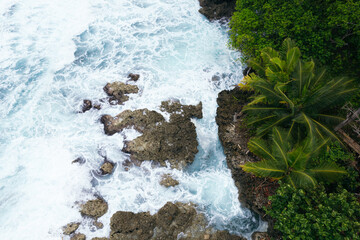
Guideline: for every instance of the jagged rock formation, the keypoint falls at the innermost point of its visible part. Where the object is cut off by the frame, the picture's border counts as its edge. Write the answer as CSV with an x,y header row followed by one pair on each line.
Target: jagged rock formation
x,y
173,141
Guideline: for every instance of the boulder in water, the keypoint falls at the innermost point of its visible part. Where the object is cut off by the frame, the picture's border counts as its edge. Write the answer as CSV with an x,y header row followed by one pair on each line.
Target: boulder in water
x,y
107,168
94,208
168,181
134,77
87,105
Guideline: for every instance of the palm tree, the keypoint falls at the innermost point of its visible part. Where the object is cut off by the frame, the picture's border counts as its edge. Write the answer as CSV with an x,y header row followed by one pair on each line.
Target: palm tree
x,y
282,159
291,94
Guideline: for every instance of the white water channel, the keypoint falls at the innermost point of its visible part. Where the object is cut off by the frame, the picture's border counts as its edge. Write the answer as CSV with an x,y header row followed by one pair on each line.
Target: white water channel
x,y
54,54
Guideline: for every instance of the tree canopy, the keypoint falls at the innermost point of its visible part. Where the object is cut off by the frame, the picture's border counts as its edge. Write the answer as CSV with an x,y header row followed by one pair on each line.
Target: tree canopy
x,y
327,30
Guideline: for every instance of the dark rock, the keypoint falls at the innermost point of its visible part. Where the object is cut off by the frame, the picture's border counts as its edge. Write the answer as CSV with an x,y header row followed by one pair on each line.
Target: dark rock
x,y
102,238
78,236
79,160
260,236
117,91
107,168
134,77
87,105
70,228
217,9
94,208
97,106
234,135
168,181
128,225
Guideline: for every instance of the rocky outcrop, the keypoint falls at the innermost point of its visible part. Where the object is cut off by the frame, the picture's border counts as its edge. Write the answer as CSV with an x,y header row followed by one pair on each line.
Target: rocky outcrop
x,y
172,221
70,228
217,9
161,141
118,90
234,135
94,208
168,181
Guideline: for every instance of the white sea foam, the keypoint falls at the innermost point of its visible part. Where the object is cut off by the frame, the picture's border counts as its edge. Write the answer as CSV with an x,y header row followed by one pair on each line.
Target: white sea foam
x,y
54,54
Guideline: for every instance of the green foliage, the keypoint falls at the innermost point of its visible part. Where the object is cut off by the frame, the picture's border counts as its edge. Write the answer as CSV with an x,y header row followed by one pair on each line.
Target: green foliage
x,y
282,159
328,31
292,94
314,214
336,154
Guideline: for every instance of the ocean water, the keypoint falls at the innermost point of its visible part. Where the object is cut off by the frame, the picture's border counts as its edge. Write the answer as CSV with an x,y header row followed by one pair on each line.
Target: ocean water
x,y
54,54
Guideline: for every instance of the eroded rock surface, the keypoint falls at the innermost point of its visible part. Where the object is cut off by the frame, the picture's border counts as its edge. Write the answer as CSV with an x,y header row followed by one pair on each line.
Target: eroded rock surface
x,y
217,9
168,181
118,90
173,141
94,208
87,105
171,220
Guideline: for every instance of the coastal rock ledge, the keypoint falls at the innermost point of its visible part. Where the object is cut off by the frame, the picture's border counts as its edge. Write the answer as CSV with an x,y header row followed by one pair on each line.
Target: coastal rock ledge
x,y
233,134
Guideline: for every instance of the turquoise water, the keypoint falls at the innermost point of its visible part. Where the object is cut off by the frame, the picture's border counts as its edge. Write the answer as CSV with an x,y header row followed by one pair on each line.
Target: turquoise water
x,y
54,54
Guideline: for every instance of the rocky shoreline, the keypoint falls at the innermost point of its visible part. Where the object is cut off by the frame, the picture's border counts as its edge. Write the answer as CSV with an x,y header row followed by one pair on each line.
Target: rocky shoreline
x,y
175,141
233,134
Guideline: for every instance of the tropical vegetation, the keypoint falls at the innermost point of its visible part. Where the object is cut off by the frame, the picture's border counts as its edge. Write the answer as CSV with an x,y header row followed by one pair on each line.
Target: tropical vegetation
x,y
282,158
326,30
315,214
291,93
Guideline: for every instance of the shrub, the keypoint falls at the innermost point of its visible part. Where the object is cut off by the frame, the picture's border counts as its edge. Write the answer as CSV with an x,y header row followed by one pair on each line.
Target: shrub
x,y
314,214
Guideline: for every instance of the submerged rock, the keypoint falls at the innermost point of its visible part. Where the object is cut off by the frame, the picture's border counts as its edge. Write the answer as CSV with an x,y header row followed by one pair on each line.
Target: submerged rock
x,y
107,168
79,160
134,77
78,236
168,181
117,91
70,228
174,141
217,9
94,208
